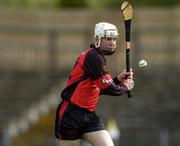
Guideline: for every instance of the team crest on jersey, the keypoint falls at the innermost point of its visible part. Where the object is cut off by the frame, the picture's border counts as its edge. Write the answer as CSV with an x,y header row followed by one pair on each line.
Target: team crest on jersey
x,y
105,81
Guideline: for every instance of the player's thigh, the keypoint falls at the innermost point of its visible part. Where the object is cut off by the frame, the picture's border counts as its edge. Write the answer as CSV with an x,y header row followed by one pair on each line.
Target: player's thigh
x,y
99,138
69,142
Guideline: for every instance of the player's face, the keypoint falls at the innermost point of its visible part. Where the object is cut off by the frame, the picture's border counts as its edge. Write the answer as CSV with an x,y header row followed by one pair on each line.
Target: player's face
x,y
108,44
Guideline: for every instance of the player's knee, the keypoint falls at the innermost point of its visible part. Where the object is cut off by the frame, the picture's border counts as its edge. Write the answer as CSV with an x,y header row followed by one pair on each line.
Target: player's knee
x,y
103,144
106,143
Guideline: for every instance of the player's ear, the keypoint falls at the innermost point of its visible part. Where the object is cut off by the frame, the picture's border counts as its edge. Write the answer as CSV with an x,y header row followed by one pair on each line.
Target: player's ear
x,y
96,41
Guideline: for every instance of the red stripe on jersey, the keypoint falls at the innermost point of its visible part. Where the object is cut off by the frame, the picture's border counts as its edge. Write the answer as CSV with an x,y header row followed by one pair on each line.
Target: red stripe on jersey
x,y
104,81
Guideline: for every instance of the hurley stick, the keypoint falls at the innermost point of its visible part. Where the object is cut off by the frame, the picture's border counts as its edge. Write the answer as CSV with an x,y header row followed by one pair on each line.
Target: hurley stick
x,y
127,12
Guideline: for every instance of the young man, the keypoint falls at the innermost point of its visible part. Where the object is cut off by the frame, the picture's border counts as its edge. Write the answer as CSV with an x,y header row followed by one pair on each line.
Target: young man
x,y
76,117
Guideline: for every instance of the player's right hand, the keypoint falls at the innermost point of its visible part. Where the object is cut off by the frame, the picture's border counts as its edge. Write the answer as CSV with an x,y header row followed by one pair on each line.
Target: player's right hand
x,y
129,83
125,75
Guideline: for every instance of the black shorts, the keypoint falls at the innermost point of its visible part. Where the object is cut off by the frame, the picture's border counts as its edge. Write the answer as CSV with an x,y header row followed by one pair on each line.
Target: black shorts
x,y
72,122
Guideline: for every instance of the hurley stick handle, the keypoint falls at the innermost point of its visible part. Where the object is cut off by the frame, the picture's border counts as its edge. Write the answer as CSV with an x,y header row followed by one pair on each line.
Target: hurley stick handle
x,y
129,93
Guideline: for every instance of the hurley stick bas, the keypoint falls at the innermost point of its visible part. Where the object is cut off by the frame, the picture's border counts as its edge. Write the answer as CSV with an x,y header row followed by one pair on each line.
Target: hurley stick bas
x,y
127,12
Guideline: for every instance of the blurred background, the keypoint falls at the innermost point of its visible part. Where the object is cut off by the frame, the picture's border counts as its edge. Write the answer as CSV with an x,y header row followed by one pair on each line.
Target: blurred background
x,y
41,39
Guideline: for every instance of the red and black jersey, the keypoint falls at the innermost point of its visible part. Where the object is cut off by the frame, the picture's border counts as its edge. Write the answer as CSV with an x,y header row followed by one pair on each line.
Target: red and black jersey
x,y
88,79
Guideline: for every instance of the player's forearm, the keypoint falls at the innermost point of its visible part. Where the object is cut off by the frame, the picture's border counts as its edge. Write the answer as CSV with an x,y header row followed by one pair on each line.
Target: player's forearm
x,y
115,90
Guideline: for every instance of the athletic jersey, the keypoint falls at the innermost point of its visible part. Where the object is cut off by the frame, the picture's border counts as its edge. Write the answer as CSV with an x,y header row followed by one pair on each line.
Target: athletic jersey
x,y
89,78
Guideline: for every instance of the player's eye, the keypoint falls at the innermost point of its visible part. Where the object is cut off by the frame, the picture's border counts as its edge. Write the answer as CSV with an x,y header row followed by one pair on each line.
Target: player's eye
x,y
110,38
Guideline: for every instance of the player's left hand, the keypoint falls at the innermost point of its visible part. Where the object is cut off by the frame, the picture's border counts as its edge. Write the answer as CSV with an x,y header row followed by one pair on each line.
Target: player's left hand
x,y
125,75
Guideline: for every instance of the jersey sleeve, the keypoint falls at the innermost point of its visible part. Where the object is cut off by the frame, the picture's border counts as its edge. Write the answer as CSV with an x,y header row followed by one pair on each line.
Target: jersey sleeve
x,y
116,81
95,68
